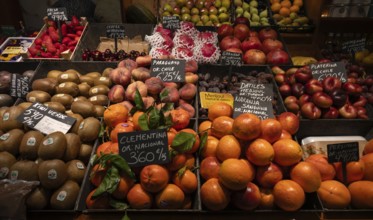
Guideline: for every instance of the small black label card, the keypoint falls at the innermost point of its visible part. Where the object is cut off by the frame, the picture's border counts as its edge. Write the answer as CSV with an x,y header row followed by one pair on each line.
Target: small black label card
x,y
335,69
171,22
172,70
115,31
231,58
354,46
20,86
343,152
57,14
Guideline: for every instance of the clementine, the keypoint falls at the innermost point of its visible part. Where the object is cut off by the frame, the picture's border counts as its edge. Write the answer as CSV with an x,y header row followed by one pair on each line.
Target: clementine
x,y
101,202
260,152
186,182
205,126
235,174
139,198
210,148
153,178
228,147
170,197
115,114
219,109
221,126
246,126
120,128
180,118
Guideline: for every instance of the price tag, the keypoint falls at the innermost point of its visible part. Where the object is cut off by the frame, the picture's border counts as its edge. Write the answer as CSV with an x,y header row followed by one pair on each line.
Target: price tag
x,y
231,58
343,152
354,46
172,70
20,86
171,22
45,120
255,99
322,70
12,50
115,31
57,14
209,98
144,147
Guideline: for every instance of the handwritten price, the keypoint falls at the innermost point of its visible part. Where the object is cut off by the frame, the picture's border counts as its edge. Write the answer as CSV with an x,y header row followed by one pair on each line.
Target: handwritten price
x,y
32,115
169,77
147,157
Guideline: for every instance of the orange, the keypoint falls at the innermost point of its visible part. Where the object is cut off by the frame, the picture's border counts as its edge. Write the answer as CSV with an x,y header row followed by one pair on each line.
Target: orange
x,y
368,162
115,114
334,195
288,195
171,197
102,148
354,171
171,133
326,169
186,182
135,120
138,198
210,148
197,140
153,178
120,128
298,3
177,162
307,176
267,201
221,126
219,109
101,202
287,152
294,8
190,162
286,3
187,204
271,130
285,12
260,152
235,174
228,147
124,185
97,174
246,126
205,126
180,118
275,7
368,148
214,196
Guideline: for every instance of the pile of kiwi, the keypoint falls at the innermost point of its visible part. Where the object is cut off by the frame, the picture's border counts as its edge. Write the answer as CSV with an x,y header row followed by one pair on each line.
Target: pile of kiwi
x,y
57,160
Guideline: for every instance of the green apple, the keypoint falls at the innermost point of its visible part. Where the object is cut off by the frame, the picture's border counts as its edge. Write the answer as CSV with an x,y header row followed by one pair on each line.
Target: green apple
x,y
217,3
239,10
222,10
238,2
223,17
226,3
254,4
247,15
213,10
194,11
203,11
181,3
195,19
253,10
186,17
246,6
214,19
167,7
205,18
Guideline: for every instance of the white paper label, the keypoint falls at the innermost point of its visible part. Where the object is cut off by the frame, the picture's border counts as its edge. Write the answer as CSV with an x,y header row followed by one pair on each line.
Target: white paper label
x,y
52,174
48,141
80,166
49,125
31,141
62,85
64,76
4,137
6,116
61,196
14,175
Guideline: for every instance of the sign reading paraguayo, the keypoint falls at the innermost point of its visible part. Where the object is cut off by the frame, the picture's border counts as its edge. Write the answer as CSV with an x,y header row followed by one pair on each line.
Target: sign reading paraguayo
x,y
172,70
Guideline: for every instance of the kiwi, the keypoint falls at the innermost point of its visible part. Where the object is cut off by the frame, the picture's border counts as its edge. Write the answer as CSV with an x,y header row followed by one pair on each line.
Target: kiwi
x,y
107,71
6,161
73,71
72,146
99,100
87,79
89,129
75,171
11,140
28,149
46,84
24,170
99,110
39,160
52,146
38,96
79,119
6,100
38,199
84,89
99,90
8,121
2,110
70,88
84,108
25,105
93,75
54,74
56,106
64,198
52,173
64,99
68,77
85,153
103,80
80,98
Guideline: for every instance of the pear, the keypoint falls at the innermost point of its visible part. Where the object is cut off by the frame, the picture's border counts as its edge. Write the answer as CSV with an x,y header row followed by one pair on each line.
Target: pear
x,y
247,15
239,10
254,23
238,2
263,14
254,4
263,20
253,10
293,15
217,3
226,3
265,24
199,23
368,60
223,17
255,18
246,6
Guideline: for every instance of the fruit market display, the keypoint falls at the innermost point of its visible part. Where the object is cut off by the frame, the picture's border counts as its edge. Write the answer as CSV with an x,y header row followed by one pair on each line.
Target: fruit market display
x,y
289,13
256,12
200,12
257,47
109,55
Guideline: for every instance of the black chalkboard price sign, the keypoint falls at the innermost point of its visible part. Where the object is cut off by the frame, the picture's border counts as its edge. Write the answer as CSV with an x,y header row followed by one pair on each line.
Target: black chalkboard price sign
x,y
171,22
20,86
115,31
45,120
343,152
57,14
335,69
141,148
172,70
255,99
354,46
231,58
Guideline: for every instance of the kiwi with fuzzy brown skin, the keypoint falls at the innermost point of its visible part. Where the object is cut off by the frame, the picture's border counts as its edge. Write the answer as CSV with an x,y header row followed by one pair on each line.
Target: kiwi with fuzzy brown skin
x,y
72,146
68,77
52,146
46,84
99,90
9,121
64,99
80,98
56,106
24,170
28,148
70,88
85,153
107,71
87,79
79,119
84,89
2,110
54,74
75,171
11,140
73,71
52,173
99,100
6,100
6,162
103,80
99,110
25,105
38,96
64,198
93,75
89,129
38,199
84,108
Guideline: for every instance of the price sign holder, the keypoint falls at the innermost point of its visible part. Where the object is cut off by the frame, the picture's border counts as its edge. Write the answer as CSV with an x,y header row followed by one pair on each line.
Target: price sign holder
x,y
20,86
57,14
209,98
231,59
344,153
141,148
322,70
171,70
171,22
115,31
46,120
353,46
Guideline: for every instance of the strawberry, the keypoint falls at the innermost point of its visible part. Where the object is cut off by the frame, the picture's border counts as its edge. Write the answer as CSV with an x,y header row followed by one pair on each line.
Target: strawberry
x,y
47,39
57,45
38,41
55,36
79,28
33,51
72,36
64,29
51,48
46,54
65,40
71,48
75,21
63,48
51,23
51,29
72,43
79,33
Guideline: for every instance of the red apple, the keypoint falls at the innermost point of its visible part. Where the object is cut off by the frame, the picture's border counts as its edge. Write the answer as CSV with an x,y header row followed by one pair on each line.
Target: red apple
x,y
266,33
209,168
322,100
225,30
251,43
310,110
242,20
330,113
271,44
303,74
278,56
313,86
247,199
285,90
229,42
352,88
253,34
234,50
297,89
241,31
304,99
254,56
331,84
348,111
268,176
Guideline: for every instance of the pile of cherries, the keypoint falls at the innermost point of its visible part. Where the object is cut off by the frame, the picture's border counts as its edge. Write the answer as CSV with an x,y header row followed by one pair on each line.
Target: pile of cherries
x,y
109,55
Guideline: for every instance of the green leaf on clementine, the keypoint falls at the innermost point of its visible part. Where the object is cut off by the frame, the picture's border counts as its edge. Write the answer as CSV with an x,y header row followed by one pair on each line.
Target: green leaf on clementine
x,y
183,142
143,122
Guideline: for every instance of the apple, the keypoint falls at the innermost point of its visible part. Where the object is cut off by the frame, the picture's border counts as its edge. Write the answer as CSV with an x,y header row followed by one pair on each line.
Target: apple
x,y
303,74
331,84
289,122
330,113
229,42
280,79
360,102
348,111
271,44
234,50
277,56
209,168
297,89
291,79
254,56
225,30
339,98
285,90
241,31
310,110
253,33
313,86
266,33
251,43
361,112
268,176
242,20
247,199
322,100
304,99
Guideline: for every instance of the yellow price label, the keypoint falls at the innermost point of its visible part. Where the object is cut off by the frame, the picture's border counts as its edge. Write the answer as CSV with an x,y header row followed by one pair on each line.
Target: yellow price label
x,y
12,50
209,98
